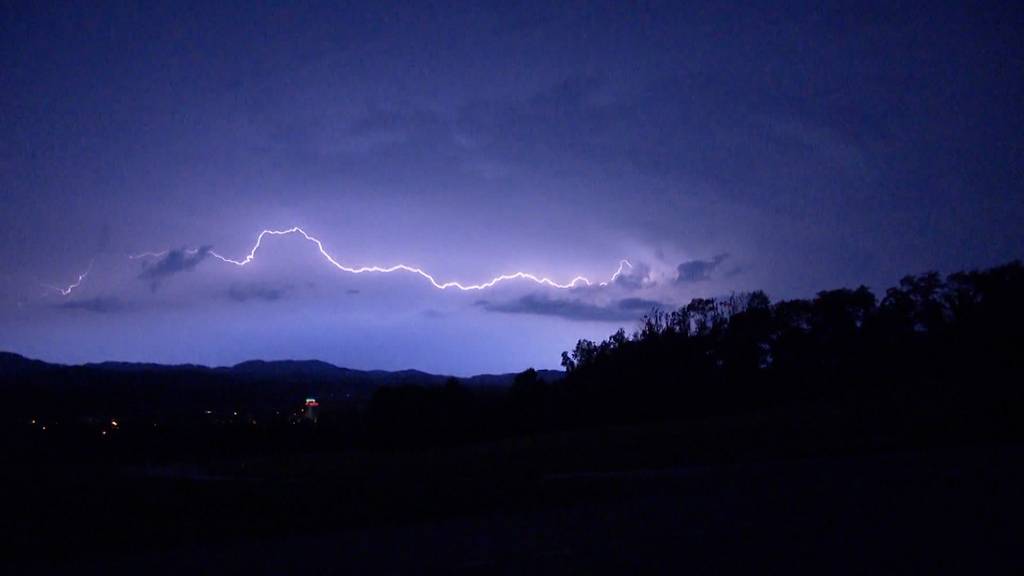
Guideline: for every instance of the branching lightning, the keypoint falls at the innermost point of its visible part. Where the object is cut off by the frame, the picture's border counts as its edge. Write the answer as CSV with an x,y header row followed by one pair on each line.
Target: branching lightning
x,y
617,272
578,280
66,291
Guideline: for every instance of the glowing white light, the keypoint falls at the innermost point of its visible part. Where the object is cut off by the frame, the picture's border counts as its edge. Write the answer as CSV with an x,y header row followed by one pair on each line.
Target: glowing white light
x,y
411,269
617,272
71,287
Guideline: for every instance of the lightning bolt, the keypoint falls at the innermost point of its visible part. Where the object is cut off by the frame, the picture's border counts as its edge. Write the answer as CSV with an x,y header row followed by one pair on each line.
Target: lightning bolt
x,y
617,272
623,264
66,291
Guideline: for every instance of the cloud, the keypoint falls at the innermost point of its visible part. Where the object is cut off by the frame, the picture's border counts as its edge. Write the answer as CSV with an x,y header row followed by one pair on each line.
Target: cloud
x,y
175,261
574,309
636,277
698,270
100,305
264,292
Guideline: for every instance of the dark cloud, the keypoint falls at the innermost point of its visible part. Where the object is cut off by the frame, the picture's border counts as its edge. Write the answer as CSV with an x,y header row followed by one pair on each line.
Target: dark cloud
x,y
635,277
698,270
574,309
175,261
264,292
100,305
352,291
641,305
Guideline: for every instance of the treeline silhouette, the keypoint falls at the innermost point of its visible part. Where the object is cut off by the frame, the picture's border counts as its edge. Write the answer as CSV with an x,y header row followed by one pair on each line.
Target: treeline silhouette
x,y
932,360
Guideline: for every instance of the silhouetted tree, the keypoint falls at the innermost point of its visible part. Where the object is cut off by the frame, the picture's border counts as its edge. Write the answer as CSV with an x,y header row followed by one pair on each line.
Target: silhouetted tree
x,y
921,350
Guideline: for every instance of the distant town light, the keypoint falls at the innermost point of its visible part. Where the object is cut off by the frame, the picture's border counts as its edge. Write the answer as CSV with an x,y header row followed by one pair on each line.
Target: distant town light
x,y
312,410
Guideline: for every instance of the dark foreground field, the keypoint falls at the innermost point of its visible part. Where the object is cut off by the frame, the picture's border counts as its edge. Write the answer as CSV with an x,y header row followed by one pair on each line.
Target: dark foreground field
x,y
612,500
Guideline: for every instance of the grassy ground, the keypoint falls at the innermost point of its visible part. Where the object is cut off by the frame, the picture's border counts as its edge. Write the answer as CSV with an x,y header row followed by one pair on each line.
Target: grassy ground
x,y
623,499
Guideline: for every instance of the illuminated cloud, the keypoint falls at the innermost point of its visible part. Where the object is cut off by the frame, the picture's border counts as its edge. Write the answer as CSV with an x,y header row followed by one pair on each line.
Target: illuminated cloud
x,y
626,309
171,263
635,277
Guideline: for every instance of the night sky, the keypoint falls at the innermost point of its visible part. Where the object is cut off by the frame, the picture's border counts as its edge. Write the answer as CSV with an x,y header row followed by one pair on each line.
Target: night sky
x,y
716,149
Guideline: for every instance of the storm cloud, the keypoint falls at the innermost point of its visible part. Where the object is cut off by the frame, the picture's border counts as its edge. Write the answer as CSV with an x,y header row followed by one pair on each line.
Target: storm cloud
x,y
175,261
698,270
625,309
635,277
475,143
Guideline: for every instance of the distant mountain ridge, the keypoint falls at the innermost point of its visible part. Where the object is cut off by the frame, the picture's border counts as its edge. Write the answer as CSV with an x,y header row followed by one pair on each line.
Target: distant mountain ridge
x,y
277,370
257,389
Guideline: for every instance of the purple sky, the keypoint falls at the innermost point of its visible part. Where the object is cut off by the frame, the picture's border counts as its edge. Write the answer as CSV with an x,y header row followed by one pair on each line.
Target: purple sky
x,y
717,149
